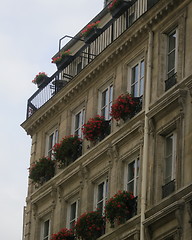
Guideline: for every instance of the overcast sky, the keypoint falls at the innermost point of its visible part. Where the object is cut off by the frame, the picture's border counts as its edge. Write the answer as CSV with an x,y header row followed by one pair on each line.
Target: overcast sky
x,y
29,34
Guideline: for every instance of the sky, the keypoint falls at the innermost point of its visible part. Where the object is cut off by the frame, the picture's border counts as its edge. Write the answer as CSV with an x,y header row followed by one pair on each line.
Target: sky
x,y
29,34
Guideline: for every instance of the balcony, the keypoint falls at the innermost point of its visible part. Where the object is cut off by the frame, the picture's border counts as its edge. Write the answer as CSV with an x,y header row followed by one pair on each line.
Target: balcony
x,y
112,30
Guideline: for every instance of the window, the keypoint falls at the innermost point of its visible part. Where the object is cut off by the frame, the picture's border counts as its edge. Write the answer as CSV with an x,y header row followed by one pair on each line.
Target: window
x,y
170,155
46,230
79,120
133,176
101,195
106,102
171,59
137,79
51,140
169,165
72,214
171,54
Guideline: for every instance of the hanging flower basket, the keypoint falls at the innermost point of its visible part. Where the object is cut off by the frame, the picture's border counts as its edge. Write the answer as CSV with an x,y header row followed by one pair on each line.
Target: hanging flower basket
x,y
41,79
118,7
63,234
120,208
43,170
68,150
63,59
125,107
90,32
96,129
89,226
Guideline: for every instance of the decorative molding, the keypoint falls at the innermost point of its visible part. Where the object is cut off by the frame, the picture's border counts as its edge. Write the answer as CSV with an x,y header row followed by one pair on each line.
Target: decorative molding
x,y
54,197
182,101
83,175
59,192
34,210
152,126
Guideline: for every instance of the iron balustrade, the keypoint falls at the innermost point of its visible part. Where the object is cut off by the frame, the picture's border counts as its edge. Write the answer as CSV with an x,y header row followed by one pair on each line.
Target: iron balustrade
x,y
109,33
170,82
168,188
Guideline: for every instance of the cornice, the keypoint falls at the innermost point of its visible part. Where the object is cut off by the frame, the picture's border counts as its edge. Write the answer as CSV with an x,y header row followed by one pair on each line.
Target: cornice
x,y
168,205
168,100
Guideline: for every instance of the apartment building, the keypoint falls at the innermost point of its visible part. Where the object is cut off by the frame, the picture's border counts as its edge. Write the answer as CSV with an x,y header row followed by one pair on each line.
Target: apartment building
x,y
142,48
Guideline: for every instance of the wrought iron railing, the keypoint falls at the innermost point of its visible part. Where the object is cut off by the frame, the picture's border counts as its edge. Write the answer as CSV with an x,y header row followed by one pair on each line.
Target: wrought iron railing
x,y
109,33
168,188
170,82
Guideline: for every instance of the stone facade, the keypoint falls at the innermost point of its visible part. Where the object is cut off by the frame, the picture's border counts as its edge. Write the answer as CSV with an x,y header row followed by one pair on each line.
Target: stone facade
x,y
157,140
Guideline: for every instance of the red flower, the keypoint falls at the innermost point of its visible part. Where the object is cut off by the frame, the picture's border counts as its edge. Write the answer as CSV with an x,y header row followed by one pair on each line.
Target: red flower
x,y
88,28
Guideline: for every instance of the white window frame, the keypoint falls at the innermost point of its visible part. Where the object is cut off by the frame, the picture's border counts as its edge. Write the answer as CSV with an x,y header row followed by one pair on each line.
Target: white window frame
x,y
47,237
109,101
169,52
135,178
69,220
50,144
104,194
140,80
77,128
173,157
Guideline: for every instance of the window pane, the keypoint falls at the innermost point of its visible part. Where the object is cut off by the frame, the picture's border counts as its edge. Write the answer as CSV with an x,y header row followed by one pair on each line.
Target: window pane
x,y
131,171
138,166
111,94
134,90
100,191
73,211
135,74
51,141
142,69
130,187
172,41
77,120
171,61
46,229
104,98
169,145
168,168
141,90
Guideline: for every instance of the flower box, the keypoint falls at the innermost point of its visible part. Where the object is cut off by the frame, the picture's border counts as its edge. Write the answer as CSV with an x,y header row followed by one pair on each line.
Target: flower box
x,y
89,226
120,208
63,234
90,32
41,171
93,34
41,79
125,107
42,83
68,150
64,62
96,129
63,59
118,7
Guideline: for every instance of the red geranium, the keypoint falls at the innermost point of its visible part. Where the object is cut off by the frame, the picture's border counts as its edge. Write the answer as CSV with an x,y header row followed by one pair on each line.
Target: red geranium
x,y
61,56
114,4
88,28
68,150
89,226
96,128
39,77
120,207
63,234
125,106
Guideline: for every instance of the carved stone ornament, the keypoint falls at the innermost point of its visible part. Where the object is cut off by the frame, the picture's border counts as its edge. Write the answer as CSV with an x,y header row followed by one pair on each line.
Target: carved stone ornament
x,y
34,209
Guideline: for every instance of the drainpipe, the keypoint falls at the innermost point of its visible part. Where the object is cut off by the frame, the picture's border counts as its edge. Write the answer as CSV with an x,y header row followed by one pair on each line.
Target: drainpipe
x,y
146,135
